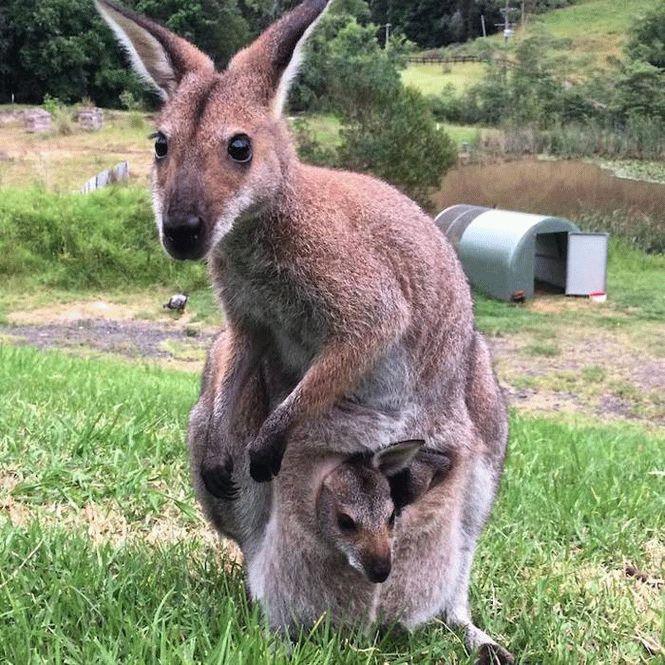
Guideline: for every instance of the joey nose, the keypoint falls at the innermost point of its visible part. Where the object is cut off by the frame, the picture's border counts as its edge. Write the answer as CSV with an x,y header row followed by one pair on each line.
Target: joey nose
x,y
378,571
184,237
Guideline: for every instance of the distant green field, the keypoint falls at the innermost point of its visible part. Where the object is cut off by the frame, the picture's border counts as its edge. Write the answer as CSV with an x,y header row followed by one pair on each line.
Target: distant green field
x,y
431,79
596,28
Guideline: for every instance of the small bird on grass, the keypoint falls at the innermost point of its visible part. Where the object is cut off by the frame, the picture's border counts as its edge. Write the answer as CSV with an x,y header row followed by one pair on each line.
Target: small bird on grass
x,y
177,303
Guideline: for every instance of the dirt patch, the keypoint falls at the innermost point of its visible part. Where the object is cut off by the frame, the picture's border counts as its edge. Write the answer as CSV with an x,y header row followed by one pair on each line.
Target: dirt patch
x,y
598,371
127,338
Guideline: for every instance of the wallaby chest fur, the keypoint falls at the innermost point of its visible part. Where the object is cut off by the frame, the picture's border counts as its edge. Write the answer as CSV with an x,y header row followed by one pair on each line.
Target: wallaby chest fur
x,y
341,255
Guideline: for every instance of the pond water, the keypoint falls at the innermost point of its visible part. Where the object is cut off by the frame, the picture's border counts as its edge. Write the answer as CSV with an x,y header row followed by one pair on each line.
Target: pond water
x,y
558,188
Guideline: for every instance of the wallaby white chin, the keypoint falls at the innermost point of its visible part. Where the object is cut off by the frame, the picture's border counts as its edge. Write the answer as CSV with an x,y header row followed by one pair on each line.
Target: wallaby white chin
x,y
235,209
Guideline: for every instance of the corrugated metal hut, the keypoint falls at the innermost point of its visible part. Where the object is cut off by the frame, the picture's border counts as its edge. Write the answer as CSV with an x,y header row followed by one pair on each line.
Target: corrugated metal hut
x,y
506,254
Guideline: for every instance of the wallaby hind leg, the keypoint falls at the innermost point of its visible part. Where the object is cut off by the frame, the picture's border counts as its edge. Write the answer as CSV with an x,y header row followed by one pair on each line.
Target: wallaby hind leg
x,y
239,397
458,615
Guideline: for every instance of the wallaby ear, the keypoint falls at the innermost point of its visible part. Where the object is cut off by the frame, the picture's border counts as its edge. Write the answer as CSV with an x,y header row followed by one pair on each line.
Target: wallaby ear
x,y
393,459
158,56
272,61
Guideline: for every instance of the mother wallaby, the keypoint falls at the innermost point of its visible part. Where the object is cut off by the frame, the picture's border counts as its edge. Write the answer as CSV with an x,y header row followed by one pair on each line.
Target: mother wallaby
x,y
340,283
341,278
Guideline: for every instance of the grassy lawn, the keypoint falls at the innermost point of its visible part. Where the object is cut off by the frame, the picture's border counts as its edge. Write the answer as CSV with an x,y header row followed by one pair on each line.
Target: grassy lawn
x,y
65,162
596,30
430,79
104,559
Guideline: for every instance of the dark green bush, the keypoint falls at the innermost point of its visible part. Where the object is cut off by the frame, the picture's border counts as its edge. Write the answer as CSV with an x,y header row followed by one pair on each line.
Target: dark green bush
x,y
102,240
400,143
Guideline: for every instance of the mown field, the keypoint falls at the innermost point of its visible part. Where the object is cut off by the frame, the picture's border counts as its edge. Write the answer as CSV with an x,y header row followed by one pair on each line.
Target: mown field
x,y
104,559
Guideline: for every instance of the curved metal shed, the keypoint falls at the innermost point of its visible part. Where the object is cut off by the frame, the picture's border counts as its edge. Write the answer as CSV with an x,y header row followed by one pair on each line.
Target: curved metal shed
x,y
505,253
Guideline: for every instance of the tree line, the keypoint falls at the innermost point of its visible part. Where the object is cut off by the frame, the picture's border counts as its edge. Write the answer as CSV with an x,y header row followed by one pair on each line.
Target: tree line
x,y
62,49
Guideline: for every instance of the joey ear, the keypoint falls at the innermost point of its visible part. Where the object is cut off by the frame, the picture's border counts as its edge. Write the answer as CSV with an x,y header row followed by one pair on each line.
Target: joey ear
x,y
271,62
397,457
158,56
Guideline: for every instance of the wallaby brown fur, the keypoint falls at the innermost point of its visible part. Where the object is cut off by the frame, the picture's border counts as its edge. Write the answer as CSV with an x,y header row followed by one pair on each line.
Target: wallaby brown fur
x,y
334,285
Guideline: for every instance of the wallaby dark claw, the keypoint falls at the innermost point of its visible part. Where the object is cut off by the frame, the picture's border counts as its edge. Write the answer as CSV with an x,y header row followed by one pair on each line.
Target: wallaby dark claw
x,y
217,477
494,654
265,464
265,456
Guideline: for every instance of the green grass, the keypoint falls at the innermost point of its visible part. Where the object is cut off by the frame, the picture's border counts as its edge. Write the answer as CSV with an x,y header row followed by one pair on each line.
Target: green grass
x,y
105,239
596,30
463,133
430,79
325,128
596,27
77,433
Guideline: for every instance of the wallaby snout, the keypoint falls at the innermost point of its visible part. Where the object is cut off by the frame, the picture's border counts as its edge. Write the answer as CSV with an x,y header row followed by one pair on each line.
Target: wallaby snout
x,y
377,568
378,572
184,236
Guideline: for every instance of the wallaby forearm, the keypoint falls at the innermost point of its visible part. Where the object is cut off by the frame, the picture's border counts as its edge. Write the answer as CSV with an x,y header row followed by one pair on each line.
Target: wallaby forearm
x,y
336,370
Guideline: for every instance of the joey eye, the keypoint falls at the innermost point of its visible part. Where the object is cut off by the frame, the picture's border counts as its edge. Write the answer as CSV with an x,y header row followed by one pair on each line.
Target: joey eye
x,y
161,145
345,522
240,148
391,519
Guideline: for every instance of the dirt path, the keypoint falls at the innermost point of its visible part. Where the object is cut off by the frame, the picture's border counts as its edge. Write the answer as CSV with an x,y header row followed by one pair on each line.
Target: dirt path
x,y
590,372
132,339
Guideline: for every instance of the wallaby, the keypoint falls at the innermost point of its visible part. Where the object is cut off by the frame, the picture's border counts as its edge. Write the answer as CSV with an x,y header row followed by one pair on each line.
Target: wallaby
x,y
335,279
345,281
344,524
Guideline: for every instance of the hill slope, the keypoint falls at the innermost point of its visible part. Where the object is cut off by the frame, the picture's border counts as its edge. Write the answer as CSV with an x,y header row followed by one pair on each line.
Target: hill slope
x,y
595,28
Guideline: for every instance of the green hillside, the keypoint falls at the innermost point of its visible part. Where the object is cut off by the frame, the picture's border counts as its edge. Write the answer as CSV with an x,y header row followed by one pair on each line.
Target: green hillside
x,y
596,29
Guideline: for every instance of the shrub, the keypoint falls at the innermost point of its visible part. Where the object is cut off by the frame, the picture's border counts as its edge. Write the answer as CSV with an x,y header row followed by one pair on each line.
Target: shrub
x,y
400,143
642,231
447,106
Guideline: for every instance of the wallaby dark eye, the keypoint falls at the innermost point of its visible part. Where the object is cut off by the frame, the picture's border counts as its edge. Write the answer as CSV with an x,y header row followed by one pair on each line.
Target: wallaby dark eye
x,y
345,522
391,519
240,148
161,145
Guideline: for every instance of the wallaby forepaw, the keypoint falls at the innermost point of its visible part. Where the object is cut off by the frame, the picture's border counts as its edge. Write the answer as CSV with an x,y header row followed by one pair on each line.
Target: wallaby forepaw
x,y
264,464
217,476
494,654
265,457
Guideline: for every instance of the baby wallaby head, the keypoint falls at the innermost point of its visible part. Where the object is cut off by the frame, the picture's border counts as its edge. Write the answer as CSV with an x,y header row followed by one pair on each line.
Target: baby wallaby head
x,y
356,511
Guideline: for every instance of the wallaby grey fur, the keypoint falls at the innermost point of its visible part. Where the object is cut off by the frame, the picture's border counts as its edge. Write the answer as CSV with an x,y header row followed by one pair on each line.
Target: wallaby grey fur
x,y
334,284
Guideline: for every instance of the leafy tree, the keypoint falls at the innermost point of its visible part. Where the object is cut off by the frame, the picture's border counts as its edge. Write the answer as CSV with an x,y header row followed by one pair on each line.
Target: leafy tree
x,y
58,47
63,48
386,129
647,39
640,91
434,23
640,84
216,26
400,143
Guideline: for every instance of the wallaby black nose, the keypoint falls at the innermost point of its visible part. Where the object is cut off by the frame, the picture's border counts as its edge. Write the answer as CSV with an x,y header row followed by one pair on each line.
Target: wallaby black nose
x,y
184,237
378,571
